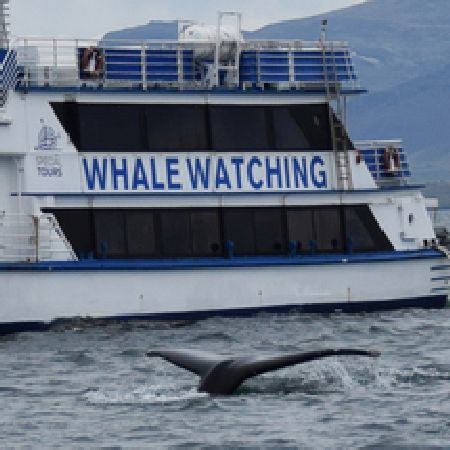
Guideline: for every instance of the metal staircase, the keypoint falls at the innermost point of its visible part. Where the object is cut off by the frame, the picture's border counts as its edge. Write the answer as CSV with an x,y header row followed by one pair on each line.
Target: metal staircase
x,y
332,86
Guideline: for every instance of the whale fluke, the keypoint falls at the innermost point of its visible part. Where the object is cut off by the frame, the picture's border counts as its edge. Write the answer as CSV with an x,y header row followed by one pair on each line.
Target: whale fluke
x,y
223,375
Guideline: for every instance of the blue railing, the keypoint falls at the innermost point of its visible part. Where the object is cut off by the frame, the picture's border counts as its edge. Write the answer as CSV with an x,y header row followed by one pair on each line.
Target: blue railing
x,y
274,65
386,160
304,66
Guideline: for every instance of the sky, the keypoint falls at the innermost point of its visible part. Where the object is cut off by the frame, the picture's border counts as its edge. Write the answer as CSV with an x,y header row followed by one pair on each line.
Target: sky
x,y
93,18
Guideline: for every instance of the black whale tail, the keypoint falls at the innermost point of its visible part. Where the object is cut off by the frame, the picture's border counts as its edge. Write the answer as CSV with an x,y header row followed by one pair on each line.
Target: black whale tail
x,y
223,375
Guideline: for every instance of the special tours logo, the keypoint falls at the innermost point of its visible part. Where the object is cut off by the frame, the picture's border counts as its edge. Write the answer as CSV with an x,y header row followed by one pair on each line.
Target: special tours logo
x,y
48,165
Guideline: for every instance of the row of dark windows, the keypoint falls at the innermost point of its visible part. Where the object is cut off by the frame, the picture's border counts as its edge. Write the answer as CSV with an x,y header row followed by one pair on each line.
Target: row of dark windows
x,y
215,232
141,128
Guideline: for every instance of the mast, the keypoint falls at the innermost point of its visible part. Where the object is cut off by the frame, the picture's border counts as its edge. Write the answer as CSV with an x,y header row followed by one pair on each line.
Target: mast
x,y
4,16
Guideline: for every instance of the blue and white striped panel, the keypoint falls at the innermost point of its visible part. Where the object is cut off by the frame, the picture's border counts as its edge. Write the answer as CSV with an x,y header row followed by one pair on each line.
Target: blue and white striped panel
x,y
8,73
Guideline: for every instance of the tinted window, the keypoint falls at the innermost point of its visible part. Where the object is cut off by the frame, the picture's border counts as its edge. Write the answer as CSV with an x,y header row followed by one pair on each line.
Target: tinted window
x,y
239,128
315,124
287,131
328,231
362,231
175,233
300,228
205,233
138,127
269,231
176,127
68,115
77,226
111,128
238,228
140,233
110,233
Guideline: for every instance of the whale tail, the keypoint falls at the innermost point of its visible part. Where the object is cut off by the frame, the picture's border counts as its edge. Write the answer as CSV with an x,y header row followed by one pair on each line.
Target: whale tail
x,y
223,375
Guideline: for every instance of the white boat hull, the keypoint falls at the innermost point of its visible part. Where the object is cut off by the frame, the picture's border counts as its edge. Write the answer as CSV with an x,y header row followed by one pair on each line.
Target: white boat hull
x,y
56,293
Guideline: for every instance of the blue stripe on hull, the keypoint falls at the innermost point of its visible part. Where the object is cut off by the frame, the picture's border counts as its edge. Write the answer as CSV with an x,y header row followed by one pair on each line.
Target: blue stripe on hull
x,y
428,302
217,263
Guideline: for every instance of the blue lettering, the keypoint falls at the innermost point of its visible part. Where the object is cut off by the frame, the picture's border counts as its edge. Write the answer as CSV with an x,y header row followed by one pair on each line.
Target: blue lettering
x,y
97,174
157,185
287,172
222,176
254,161
273,171
117,172
198,173
320,182
139,175
300,173
172,171
237,163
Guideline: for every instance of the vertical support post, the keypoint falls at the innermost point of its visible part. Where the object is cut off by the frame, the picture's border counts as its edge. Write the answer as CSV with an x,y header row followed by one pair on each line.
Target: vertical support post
x,y
217,51
180,63
377,160
258,66
144,65
238,49
55,54
344,111
54,64
291,67
19,166
77,62
37,237
27,65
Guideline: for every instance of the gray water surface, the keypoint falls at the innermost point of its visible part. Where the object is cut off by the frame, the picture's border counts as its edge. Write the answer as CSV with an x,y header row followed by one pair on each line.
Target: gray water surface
x,y
88,385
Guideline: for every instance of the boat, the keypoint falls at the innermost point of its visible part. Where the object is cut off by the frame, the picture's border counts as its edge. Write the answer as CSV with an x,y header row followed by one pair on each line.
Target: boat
x,y
205,176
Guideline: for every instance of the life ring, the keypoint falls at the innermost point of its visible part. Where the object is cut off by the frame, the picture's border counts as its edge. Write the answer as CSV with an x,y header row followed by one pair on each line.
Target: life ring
x,y
89,55
391,160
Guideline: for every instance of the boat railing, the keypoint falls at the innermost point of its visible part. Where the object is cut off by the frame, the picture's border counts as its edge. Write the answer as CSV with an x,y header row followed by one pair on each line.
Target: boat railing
x,y
33,238
386,160
122,63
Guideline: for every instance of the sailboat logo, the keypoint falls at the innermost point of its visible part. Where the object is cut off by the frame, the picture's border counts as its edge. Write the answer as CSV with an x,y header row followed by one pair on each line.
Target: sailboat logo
x,y
47,138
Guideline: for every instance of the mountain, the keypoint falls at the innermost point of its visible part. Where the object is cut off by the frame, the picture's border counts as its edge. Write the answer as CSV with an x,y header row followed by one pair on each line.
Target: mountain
x,y
402,53
394,40
155,29
416,110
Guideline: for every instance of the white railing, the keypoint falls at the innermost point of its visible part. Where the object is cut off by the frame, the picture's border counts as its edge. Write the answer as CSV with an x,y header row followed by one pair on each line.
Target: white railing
x,y
56,62
33,238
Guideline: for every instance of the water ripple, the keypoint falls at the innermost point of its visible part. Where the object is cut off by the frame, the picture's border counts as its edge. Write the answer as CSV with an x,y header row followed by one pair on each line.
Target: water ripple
x,y
89,384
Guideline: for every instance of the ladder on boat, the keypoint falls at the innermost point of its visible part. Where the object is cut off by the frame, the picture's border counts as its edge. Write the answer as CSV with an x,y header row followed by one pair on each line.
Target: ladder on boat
x,y
231,68
333,92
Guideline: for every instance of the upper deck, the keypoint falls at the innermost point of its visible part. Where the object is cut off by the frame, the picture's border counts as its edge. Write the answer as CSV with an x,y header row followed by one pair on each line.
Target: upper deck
x,y
202,65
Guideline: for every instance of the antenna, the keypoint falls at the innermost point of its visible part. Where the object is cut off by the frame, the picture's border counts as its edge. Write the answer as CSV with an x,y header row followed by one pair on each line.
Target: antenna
x,y
4,15
323,30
